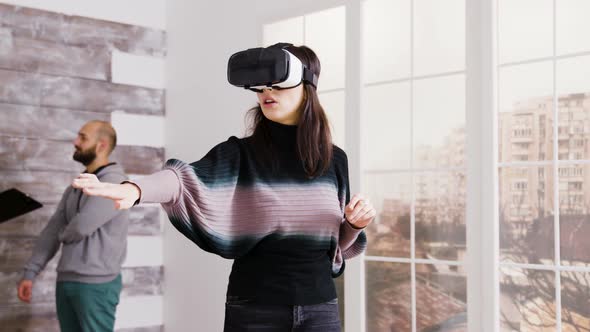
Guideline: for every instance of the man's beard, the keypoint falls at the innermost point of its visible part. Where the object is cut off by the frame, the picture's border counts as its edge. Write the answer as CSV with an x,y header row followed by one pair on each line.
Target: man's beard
x,y
85,157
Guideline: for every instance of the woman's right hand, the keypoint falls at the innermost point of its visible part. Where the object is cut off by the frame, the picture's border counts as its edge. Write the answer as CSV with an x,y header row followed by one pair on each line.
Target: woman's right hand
x,y
124,195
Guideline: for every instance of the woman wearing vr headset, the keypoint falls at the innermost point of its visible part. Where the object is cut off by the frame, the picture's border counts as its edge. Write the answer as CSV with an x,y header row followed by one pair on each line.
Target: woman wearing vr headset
x,y
277,201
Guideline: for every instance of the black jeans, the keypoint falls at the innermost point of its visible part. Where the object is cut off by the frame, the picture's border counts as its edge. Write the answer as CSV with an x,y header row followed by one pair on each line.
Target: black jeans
x,y
243,315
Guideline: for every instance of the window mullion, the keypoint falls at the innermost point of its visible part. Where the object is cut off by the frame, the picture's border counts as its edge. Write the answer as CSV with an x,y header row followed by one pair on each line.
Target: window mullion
x,y
482,180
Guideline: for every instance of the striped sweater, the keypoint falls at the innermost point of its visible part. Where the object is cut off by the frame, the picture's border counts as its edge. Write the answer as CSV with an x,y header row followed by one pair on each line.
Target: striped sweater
x,y
286,233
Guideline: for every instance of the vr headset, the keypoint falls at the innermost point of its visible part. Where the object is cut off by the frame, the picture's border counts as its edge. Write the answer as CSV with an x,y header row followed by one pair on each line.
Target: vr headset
x,y
272,67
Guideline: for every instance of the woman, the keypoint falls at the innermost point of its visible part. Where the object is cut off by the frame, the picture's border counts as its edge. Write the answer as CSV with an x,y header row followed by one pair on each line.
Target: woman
x,y
277,202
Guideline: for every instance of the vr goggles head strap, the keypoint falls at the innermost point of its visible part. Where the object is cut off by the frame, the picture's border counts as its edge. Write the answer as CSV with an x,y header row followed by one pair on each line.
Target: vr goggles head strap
x,y
310,77
282,46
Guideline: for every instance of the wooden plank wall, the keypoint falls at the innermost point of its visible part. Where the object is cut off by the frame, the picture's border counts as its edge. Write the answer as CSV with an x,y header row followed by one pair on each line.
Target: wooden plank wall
x,y
55,75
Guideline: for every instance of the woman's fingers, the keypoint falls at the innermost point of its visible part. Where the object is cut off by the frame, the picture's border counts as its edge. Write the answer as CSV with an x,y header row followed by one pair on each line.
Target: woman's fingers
x,y
356,205
97,191
123,204
367,216
360,212
85,180
106,190
92,186
87,176
353,201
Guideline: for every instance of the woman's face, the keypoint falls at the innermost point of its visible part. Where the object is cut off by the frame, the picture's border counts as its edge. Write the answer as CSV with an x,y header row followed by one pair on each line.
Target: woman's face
x,y
282,106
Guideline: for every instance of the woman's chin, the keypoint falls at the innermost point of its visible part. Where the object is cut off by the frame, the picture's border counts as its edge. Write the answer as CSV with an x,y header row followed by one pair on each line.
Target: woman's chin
x,y
272,113
277,115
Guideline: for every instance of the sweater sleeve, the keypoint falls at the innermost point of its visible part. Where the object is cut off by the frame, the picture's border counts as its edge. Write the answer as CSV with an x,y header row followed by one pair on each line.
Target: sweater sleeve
x,y
351,241
160,187
199,198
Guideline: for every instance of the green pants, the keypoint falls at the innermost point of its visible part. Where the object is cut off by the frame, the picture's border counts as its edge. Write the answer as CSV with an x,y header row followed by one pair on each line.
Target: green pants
x,y
83,307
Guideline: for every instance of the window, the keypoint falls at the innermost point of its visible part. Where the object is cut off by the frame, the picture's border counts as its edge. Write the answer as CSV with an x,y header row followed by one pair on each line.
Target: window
x,y
414,90
415,168
539,290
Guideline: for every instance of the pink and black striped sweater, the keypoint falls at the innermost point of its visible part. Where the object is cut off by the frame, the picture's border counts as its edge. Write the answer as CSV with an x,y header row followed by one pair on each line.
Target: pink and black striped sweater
x,y
286,233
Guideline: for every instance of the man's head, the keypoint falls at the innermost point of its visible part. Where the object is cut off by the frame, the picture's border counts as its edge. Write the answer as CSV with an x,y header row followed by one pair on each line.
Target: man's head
x,y
96,139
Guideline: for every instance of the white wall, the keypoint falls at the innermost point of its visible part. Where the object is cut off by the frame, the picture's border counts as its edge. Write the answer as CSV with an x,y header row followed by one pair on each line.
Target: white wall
x,y
202,110
136,12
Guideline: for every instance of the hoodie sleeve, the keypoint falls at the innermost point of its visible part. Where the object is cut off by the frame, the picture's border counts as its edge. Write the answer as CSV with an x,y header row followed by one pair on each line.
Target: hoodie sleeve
x,y
95,212
48,243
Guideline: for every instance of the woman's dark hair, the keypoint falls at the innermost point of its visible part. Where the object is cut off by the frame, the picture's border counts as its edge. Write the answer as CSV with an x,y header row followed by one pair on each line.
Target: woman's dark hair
x,y
314,140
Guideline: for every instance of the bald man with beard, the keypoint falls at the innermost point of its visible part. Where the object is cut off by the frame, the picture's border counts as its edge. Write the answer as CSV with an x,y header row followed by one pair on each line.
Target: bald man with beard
x,y
92,235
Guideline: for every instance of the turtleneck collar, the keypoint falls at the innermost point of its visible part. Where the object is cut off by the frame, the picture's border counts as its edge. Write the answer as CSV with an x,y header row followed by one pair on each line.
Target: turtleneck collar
x,y
281,134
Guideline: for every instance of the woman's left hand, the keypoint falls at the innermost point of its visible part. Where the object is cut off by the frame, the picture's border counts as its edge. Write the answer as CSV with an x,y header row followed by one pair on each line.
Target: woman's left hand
x,y
359,212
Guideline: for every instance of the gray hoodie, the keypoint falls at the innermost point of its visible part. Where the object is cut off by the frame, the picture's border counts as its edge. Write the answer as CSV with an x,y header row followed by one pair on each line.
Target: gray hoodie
x,y
91,232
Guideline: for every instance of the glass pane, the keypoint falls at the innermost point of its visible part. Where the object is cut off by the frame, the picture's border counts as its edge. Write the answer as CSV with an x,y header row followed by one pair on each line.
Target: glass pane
x,y
386,126
389,297
574,214
439,36
525,29
386,38
573,85
333,103
572,189
389,234
439,122
440,215
325,34
527,300
572,26
526,215
288,31
573,76
574,129
441,298
525,122
575,301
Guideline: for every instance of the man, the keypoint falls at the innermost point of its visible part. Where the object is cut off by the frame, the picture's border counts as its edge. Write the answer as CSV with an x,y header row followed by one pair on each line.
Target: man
x,y
93,239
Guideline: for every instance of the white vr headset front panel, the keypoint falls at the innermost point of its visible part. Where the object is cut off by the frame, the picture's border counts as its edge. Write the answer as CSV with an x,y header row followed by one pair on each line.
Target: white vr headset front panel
x,y
295,74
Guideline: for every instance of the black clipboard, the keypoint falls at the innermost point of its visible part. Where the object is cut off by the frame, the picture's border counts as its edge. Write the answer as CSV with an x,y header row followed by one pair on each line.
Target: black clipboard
x,y
14,203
